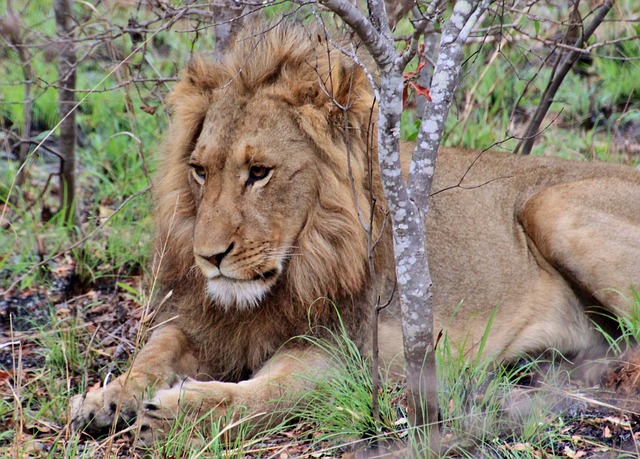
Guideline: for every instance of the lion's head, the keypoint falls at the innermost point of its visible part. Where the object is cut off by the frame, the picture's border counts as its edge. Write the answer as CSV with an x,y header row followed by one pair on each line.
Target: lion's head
x,y
255,189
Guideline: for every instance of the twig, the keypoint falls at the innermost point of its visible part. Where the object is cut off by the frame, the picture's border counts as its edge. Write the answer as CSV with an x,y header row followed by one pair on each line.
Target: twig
x,y
17,43
556,80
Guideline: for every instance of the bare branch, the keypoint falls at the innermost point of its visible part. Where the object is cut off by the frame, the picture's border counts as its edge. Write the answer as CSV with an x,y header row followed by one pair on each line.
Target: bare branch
x,y
556,80
372,39
420,25
379,19
445,81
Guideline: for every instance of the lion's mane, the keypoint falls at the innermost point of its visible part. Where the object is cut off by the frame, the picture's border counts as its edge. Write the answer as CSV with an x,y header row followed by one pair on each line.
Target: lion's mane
x,y
335,106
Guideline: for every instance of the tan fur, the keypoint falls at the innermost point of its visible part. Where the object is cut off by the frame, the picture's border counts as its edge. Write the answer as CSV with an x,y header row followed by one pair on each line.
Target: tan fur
x,y
537,240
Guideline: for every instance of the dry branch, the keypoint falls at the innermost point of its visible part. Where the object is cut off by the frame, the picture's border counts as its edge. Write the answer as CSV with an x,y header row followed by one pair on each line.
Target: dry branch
x,y
565,62
67,105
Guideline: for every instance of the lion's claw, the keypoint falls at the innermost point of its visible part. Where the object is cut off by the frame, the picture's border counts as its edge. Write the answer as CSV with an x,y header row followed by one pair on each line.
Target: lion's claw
x,y
97,412
151,406
155,422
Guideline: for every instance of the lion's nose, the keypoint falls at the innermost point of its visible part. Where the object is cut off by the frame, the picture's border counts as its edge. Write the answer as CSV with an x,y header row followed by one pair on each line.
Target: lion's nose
x,y
216,259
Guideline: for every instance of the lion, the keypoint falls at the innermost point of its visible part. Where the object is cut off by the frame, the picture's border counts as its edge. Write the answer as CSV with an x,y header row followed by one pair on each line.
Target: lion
x,y
269,170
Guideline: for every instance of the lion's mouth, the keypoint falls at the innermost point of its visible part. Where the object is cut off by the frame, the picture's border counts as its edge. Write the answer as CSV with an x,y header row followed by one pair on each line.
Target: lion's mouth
x,y
233,293
265,276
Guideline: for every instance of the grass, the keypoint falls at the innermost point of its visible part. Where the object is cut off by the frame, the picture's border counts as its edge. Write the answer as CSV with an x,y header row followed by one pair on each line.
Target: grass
x,y
342,403
76,318
627,325
211,438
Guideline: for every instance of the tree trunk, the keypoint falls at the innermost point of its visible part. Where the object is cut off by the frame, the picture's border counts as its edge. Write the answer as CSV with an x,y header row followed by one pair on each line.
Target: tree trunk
x,y
11,30
412,271
228,19
564,64
408,201
67,103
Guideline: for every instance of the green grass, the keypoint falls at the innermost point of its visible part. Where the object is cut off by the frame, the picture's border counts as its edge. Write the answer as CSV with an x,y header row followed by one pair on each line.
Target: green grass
x,y
342,403
193,436
627,324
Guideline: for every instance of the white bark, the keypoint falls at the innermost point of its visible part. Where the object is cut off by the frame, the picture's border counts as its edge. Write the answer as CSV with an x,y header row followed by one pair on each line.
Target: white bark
x,y
408,203
445,80
228,17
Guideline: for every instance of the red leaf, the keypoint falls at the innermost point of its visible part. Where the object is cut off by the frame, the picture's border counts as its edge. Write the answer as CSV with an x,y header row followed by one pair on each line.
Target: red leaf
x,y
408,75
420,90
6,375
148,109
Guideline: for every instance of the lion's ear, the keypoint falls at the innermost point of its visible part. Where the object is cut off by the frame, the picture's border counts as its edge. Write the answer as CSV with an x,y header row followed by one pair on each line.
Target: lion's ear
x,y
202,75
355,93
345,91
190,101
346,84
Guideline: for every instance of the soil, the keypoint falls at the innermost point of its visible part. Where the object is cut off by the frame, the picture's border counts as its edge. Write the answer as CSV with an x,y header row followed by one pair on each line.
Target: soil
x,y
111,318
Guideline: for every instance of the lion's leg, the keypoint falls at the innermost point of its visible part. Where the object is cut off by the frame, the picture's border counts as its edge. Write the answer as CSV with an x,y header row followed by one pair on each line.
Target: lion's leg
x,y
158,365
590,232
264,399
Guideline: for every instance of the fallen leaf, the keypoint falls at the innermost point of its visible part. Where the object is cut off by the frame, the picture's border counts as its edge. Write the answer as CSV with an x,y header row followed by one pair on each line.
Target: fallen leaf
x,y
573,454
6,375
618,422
105,212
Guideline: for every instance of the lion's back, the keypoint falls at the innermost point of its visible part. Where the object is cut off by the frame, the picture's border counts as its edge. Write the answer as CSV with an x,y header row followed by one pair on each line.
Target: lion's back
x,y
481,259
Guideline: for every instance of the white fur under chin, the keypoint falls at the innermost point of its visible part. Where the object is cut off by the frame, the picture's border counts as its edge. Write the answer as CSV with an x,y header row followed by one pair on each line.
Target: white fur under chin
x,y
236,294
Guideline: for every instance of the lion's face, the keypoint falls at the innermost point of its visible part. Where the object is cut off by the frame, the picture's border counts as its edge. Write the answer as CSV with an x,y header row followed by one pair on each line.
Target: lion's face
x,y
263,193
252,178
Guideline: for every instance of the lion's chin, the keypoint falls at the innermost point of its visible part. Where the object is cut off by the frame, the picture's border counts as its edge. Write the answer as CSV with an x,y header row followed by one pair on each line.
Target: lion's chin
x,y
235,294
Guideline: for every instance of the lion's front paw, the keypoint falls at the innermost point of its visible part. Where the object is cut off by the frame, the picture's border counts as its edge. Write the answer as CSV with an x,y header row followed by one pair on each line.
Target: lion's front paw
x,y
158,415
97,411
186,403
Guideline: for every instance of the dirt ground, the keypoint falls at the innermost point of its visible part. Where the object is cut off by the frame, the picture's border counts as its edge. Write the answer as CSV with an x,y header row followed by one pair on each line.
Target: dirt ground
x,y
109,319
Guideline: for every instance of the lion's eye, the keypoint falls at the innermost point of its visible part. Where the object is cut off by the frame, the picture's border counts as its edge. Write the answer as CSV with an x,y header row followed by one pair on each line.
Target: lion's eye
x,y
257,173
199,173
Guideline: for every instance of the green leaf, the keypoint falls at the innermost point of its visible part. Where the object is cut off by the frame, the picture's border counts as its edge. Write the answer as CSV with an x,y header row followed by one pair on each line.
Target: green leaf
x,y
128,288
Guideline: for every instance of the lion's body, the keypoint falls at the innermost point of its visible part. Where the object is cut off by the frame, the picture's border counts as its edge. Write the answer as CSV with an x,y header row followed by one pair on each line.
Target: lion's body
x,y
484,252
260,239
